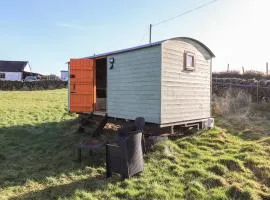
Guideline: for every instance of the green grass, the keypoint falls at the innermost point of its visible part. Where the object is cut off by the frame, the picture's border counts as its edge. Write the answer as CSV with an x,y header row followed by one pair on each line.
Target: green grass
x,y
37,140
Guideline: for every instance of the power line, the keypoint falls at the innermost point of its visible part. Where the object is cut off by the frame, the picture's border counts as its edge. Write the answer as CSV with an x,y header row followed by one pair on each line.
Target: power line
x,y
186,12
179,15
196,3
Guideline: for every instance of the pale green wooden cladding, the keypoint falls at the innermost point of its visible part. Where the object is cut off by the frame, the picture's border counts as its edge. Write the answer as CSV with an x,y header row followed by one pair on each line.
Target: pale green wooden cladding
x,y
152,82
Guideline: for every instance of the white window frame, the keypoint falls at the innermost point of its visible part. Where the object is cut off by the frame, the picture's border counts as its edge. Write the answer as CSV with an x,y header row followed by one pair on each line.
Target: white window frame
x,y
186,55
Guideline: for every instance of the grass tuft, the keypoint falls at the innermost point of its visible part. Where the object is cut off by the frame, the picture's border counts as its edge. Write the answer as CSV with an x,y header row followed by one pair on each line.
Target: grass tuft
x,y
217,169
266,141
214,181
195,190
191,174
217,194
250,148
2,157
232,164
264,196
236,192
260,171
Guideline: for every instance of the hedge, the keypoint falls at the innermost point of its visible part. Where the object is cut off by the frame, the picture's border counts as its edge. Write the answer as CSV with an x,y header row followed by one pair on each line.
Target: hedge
x,y
246,75
35,85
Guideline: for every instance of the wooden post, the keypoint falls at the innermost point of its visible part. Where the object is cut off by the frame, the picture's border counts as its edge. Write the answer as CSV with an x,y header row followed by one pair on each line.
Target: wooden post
x,y
150,34
172,129
257,91
266,68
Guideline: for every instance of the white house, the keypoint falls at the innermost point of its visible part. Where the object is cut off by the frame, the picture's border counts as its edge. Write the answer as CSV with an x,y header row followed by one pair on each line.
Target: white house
x,y
13,70
64,75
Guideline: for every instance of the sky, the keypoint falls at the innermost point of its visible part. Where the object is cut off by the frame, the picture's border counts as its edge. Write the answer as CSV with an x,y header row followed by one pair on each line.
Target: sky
x,y
49,33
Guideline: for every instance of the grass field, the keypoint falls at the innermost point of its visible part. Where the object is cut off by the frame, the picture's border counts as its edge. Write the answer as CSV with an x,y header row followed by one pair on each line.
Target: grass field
x,y
37,137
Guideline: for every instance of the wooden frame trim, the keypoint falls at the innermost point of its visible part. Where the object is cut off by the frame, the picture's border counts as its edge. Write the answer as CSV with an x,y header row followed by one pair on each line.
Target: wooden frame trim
x,y
211,87
94,85
69,87
184,122
189,53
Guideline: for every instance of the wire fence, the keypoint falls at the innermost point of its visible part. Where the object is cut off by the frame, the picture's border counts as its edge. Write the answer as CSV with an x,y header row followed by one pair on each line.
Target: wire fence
x,y
259,90
242,86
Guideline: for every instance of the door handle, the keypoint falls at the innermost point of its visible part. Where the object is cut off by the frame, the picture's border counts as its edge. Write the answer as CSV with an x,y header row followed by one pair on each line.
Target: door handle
x,y
73,89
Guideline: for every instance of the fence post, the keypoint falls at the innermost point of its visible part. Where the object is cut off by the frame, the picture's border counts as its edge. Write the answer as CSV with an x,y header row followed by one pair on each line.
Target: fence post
x,y
257,91
266,68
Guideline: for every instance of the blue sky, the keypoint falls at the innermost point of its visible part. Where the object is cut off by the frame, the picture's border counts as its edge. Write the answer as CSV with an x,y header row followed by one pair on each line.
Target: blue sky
x,y
48,33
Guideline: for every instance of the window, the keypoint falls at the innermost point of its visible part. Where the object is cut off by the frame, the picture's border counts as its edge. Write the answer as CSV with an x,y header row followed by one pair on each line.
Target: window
x,y
189,61
2,75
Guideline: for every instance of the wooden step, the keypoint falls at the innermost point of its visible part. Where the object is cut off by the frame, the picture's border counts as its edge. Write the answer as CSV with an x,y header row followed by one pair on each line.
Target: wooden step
x,y
103,122
92,124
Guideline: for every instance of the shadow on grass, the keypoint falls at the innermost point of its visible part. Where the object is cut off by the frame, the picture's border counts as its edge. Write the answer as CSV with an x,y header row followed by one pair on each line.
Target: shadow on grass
x,y
68,190
42,152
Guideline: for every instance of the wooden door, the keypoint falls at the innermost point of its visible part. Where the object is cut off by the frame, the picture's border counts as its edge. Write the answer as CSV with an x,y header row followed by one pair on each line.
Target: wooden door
x,y
82,85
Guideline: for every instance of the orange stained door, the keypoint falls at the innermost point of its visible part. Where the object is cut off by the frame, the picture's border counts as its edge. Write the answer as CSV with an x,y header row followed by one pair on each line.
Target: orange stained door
x,y
82,85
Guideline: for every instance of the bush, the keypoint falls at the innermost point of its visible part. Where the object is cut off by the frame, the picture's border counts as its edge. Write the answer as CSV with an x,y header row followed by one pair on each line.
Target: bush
x,y
230,74
35,85
234,102
251,74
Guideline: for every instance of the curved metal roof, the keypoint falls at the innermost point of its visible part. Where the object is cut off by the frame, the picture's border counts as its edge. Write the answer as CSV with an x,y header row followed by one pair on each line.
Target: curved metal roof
x,y
197,41
150,45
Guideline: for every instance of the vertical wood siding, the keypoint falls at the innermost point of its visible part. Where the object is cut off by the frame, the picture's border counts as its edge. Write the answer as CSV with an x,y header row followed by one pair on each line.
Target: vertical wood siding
x,y
185,95
134,84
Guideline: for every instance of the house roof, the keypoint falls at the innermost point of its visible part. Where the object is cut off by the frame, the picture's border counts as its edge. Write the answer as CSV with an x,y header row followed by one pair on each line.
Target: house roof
x,y
150,45
12,66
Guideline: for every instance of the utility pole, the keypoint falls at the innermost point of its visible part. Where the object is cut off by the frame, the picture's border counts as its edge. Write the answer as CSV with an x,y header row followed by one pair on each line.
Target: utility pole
x,y
243,69
228,67
150,34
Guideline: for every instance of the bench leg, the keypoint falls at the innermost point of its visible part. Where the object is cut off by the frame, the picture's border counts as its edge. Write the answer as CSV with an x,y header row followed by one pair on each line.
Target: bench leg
x,y
91,152
108,167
